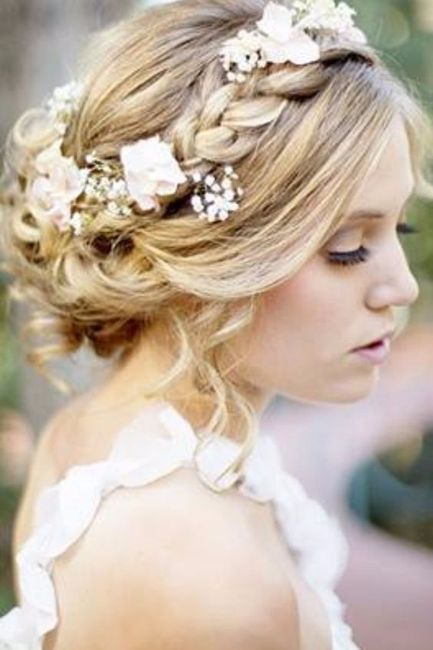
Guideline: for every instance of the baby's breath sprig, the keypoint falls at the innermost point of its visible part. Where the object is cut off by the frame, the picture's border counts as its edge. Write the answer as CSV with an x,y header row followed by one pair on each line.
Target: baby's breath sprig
x,y
63,104
214,200
106,186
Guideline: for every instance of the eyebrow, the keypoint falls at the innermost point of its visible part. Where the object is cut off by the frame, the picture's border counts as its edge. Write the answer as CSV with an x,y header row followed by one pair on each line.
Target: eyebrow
x,y
375,214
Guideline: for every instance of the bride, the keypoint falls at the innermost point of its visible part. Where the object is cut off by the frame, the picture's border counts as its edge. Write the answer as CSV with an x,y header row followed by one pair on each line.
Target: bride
x,y
215,206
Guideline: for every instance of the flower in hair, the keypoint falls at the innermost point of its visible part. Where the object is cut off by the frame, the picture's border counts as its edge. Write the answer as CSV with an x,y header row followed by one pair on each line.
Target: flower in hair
x,y
242,54
56,187
150,170
325,16
283,41
288,34
70,197
63,104
214,200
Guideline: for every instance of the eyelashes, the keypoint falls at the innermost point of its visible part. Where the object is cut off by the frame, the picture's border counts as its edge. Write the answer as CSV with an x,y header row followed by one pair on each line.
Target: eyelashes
x,y
350,258
362,254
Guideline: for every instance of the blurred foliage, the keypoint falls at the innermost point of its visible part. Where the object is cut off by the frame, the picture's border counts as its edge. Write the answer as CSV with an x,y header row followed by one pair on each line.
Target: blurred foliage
x,y
9,388
395,491
402,31
9,495
9,498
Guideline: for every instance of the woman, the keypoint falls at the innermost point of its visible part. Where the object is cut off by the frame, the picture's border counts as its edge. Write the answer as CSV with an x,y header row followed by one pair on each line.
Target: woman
x,y
216,209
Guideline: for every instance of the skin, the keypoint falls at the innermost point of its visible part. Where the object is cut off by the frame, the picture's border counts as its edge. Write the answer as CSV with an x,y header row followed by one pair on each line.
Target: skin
x,y
300,343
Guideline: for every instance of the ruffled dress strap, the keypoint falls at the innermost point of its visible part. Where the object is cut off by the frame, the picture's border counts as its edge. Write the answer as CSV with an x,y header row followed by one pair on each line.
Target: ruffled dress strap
x,y
65,510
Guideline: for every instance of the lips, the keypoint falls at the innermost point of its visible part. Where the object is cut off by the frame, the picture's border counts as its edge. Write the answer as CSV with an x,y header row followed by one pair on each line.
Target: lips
x,y
379,341
375,354
372,344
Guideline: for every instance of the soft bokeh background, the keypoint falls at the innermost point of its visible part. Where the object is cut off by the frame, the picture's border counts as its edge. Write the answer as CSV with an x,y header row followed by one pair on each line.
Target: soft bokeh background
x,y
371,463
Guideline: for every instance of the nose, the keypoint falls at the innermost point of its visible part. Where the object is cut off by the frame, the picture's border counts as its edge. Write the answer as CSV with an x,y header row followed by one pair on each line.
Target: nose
x,y
394,283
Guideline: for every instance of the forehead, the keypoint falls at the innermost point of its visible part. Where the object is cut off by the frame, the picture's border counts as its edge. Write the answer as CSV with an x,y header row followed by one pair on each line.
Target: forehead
x,y
391,180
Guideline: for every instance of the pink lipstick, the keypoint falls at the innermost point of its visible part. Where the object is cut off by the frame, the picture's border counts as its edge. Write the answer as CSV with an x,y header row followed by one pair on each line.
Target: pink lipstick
x,y
377,352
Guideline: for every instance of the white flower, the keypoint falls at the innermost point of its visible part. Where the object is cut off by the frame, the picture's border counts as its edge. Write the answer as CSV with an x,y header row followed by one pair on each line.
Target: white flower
x,y
284,41
243,50
150,169
44,204
325,15
76,223
60,182
284,35
197,203
63,103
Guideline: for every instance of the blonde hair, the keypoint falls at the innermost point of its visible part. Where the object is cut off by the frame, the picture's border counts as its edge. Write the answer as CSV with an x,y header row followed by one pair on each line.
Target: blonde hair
x,y
301,139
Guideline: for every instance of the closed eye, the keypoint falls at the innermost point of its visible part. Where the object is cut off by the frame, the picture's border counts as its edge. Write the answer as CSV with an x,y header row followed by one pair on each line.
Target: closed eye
x,y
362,254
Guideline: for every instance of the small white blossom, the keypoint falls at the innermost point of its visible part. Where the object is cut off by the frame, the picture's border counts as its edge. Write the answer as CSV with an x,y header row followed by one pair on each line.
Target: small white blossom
x,y
197,203
241,54
216,205
63,104
75,223
112,206
125,210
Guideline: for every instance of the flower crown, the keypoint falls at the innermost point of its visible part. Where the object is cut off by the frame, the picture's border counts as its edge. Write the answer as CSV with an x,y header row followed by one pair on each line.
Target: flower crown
x,y
70,197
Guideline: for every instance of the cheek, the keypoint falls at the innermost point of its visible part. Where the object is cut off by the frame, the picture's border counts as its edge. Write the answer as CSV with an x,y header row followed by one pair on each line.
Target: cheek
x,y
298,306
308,314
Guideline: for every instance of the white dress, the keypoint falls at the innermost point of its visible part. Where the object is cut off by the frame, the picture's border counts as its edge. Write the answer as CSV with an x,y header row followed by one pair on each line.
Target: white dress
x,y
66,509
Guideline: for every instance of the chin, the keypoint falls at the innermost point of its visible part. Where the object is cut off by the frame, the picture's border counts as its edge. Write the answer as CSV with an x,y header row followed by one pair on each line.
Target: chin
x,y
349,392
356,391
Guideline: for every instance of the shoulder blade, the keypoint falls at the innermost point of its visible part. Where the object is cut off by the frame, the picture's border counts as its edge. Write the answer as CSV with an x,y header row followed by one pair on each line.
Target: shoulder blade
x,y
166,567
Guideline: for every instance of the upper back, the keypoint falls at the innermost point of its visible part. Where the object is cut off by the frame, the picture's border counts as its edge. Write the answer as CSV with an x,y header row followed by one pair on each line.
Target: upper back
x,y
176,567
206,562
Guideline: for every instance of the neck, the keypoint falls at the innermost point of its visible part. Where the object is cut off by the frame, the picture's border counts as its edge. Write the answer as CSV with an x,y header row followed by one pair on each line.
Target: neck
x,y
148,363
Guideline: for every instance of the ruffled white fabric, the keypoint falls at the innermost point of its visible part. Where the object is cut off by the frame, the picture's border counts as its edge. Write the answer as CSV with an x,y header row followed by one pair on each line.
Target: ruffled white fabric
x,y
66,509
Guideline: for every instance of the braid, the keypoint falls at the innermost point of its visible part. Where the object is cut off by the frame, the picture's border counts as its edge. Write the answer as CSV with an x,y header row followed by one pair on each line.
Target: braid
x,y
217,125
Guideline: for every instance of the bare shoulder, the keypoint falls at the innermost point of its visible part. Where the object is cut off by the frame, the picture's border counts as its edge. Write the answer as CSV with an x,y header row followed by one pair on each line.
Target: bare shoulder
x,y
171,565
42,471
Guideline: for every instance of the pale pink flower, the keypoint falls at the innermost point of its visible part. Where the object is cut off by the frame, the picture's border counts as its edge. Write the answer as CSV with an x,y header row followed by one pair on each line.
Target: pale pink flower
x,y
51,195
150,169
49,158
283,41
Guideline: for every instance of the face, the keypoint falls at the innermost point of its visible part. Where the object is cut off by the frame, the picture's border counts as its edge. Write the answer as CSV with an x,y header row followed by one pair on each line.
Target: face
x,y
301,342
